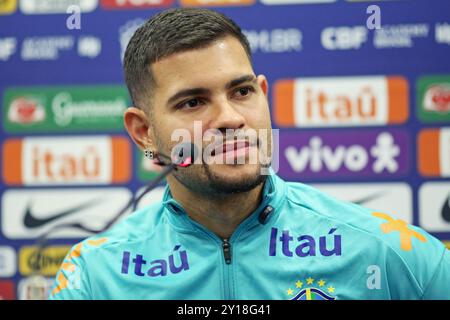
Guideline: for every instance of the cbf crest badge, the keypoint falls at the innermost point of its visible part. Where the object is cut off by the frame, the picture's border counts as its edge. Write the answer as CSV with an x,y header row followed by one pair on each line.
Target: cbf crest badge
x,y
311,289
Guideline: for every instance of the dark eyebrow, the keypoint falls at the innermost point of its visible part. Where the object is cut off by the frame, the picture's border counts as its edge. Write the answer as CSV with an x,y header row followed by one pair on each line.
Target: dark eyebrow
x,y
240,80
204,91
187,93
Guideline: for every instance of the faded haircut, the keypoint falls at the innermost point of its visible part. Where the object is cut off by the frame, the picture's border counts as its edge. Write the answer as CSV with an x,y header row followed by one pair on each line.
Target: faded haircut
x,y
169,32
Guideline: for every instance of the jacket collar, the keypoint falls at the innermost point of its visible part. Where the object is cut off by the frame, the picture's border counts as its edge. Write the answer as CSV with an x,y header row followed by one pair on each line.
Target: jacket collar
x,y
274,193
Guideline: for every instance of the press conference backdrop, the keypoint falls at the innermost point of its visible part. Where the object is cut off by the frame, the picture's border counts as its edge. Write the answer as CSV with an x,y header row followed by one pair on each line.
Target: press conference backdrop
x,y
364,113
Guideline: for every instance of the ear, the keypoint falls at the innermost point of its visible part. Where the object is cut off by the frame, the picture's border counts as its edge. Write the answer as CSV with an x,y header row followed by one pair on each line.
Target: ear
x,y
137,125
263,84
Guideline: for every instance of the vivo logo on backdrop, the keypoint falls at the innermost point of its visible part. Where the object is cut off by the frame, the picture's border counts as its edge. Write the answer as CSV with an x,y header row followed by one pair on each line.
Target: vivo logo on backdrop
x,y
350,153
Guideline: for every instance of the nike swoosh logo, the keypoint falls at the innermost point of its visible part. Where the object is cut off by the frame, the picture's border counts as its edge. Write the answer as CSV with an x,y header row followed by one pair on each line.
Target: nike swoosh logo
x,y
30,221
445,212
371,197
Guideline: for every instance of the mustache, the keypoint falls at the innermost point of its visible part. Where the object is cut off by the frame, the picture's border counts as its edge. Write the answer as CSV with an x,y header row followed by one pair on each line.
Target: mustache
x,y
223,143
255,144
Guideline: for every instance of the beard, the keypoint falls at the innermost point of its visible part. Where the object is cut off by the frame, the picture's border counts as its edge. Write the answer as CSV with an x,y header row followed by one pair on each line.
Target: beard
x,y
202,179
219,180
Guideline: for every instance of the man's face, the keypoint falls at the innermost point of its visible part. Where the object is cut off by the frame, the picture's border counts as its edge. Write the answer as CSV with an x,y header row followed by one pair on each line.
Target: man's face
x,y
216,87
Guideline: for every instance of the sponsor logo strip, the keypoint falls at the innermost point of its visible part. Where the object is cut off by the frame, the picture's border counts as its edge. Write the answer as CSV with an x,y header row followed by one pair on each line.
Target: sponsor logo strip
x,y
79,108
29,214
8,47
34,288
8,6
134,4
442,33
7,291
434,152
400,35
434,206
121,160
8,263
395,198
55,6
279,40
126,31
277,2
47,48
447,244
370,0
66,160
341,101
344,37
33,260
344,154
433,99
199,3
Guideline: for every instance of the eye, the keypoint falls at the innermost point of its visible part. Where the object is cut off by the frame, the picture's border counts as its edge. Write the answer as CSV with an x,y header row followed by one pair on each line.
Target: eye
x,y
189,104
244,92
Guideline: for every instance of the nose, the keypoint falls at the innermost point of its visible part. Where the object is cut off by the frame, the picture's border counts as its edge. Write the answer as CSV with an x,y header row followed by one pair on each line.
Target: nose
x,y
226,116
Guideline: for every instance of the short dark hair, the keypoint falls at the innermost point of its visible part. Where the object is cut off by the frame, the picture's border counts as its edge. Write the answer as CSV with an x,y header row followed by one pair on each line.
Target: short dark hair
x,y
168,32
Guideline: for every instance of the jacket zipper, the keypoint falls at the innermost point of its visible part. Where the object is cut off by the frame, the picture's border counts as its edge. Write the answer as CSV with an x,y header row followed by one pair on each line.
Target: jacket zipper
x,y
227,254
226,246
228,269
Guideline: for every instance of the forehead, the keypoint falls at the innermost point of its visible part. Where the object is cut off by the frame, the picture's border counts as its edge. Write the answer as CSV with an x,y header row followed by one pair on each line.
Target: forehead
x,y
206,67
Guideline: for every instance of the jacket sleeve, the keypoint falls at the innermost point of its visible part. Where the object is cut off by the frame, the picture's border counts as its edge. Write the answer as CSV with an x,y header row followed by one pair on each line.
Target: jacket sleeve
x,y
71,281
439,286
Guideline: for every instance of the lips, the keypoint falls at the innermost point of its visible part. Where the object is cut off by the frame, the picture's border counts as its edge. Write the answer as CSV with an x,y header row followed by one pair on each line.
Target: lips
x,y
233,148
230,147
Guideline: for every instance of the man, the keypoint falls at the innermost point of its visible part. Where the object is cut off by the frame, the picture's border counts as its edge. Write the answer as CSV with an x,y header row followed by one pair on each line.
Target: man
x,y
230,231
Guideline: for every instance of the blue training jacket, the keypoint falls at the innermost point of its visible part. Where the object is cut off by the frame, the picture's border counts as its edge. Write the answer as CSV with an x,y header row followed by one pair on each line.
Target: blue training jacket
x,y
299,244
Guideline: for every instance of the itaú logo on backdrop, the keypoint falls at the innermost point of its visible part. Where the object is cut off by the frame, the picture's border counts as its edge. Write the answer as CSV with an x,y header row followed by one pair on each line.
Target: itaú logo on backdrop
x,y
66,160
341,101
434,152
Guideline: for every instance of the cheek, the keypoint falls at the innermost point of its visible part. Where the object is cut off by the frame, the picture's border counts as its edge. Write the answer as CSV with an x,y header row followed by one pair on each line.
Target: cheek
x,y
259,117
162,132
176,131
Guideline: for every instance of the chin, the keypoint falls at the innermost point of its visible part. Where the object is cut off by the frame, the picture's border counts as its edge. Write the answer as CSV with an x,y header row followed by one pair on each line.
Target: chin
x,y
234,178
236,170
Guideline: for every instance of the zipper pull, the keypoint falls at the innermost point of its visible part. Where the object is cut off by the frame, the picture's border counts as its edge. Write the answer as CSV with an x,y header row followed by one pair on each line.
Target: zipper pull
x,y
226,246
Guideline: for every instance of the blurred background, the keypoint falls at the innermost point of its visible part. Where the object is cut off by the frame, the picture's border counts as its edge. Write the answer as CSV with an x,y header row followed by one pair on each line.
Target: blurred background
x,y
360,91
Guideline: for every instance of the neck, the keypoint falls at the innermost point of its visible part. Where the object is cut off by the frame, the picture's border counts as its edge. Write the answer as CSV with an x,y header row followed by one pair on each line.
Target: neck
x,y
221,214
